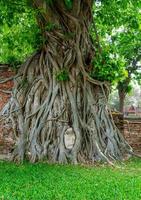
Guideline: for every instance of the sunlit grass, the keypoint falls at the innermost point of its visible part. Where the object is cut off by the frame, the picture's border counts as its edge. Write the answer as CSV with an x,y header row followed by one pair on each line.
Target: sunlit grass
x,y
57,182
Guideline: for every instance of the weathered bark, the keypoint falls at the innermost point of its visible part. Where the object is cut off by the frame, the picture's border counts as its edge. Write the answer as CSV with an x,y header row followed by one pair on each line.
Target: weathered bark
x,y
123,91
54,93
122,96
123,86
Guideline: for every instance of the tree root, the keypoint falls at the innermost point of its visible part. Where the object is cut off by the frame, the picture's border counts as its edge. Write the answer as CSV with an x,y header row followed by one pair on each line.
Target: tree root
x,y
50,109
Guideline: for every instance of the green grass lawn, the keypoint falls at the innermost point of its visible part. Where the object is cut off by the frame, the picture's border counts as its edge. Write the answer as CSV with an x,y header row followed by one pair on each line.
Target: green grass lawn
x,y
57,182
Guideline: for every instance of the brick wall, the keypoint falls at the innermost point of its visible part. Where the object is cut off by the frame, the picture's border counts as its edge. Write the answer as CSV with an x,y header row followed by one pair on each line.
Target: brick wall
x,y
131,129
132,132
4,74
6,139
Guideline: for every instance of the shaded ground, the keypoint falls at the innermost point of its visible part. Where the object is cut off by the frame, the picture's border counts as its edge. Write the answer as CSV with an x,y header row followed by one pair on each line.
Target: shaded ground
x,y
56,182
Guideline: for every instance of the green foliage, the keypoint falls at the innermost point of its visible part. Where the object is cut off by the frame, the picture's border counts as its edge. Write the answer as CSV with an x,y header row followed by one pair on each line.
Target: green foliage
x,y
68,4
13,61
128,89
125,86
17,38
106,68
114,13
138,77
121,34
58,182
62,75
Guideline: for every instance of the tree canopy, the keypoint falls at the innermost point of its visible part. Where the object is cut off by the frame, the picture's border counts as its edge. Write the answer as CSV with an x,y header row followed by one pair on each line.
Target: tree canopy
x,y
119,28
119,37
19,33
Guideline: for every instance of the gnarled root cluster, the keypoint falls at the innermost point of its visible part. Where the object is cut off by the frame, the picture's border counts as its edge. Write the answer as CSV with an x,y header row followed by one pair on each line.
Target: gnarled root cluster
x,y
43,110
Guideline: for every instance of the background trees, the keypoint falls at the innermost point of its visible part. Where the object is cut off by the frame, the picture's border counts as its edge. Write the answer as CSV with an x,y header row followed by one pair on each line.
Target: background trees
x,y
119,28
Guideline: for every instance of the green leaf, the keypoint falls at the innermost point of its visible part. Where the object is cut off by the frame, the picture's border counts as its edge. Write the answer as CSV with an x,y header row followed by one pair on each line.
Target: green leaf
x,y
68,4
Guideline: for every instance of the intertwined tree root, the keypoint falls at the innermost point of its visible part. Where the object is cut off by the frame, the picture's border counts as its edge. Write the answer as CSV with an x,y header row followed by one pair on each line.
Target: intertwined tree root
x,y
42,109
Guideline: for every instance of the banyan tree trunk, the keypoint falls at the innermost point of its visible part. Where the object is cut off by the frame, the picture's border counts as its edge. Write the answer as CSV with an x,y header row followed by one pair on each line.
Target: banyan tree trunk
x,y
54,93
